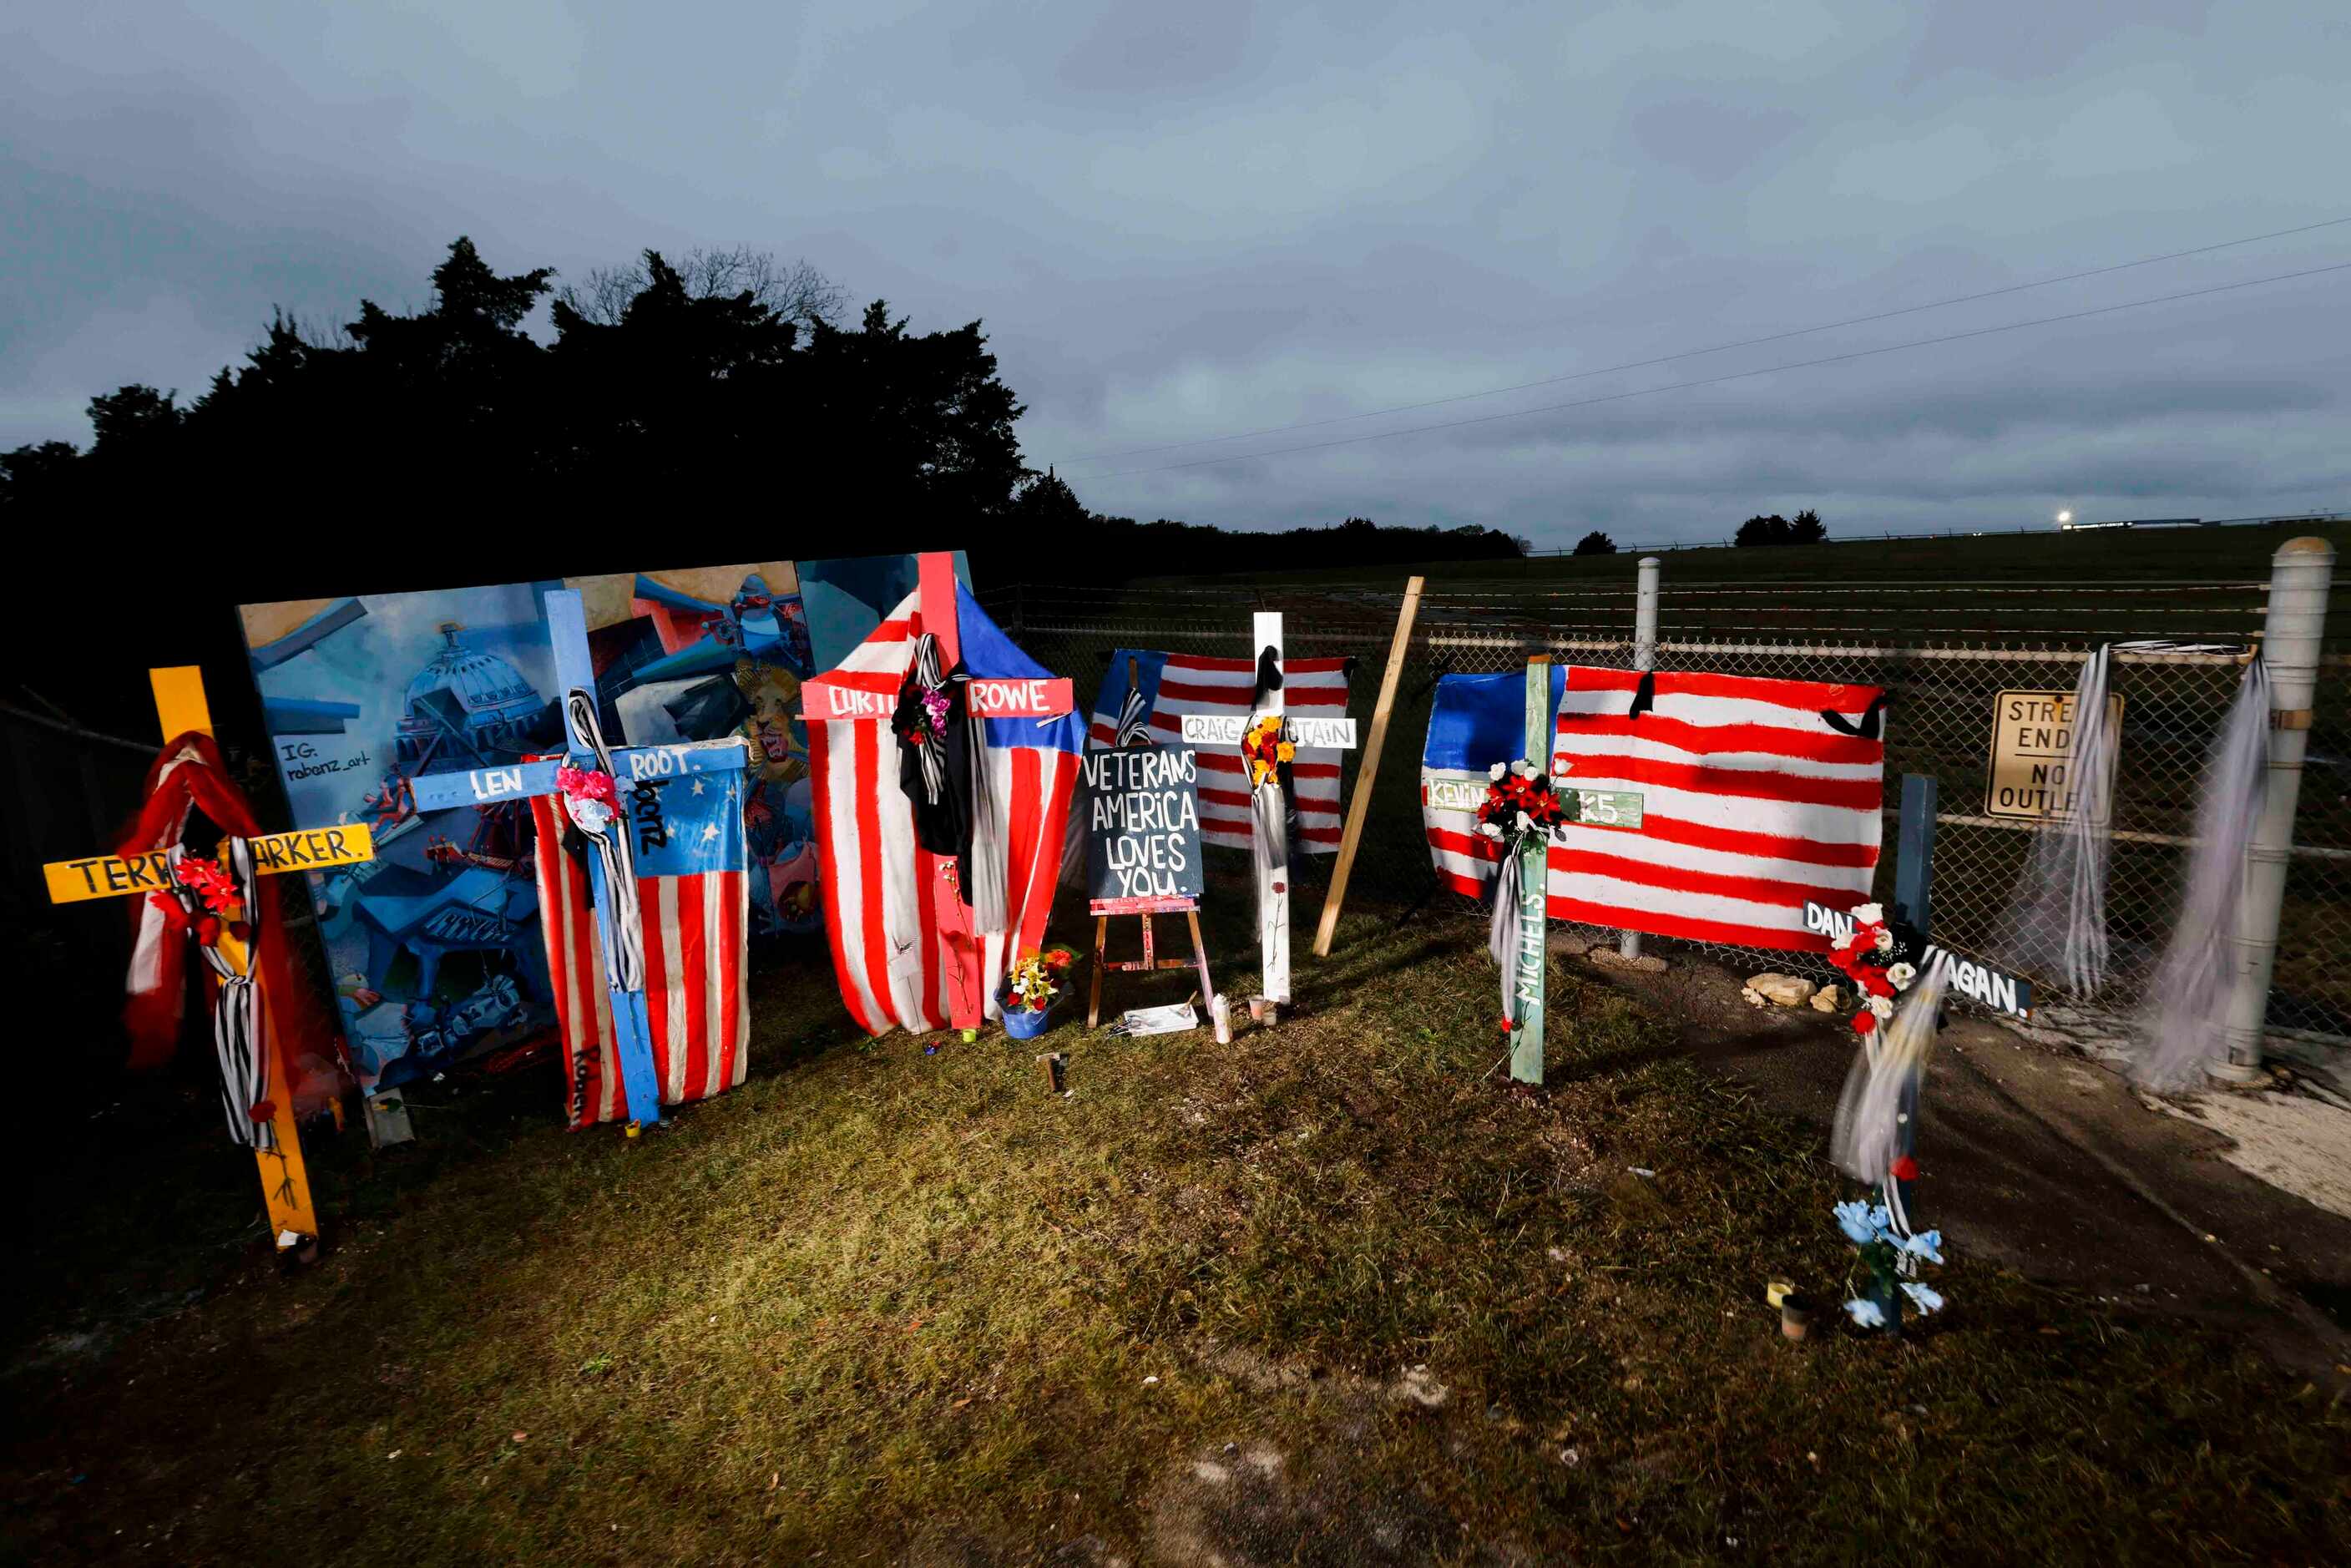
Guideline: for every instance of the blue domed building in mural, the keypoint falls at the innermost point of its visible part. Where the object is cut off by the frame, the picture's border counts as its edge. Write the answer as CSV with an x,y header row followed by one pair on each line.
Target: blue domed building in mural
x,y
466,708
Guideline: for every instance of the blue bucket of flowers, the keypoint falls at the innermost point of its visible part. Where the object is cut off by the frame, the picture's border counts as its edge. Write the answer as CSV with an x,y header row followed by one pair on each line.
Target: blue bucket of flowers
x,y
1031,989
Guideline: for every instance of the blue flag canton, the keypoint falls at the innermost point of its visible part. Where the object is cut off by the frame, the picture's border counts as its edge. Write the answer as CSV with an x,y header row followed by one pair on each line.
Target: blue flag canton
x,y
1476,721
686,826
1148,668
987,650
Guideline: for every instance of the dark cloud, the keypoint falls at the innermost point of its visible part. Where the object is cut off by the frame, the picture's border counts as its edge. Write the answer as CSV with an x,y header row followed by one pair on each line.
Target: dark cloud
x,y
1185,222
1152,48
1709,138
2019,40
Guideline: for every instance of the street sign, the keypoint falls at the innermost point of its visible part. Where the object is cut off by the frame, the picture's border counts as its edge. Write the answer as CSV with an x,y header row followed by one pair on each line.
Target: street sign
x,y
2032,773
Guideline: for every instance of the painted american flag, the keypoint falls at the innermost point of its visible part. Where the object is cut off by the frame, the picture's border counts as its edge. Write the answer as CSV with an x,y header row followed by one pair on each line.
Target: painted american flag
x,y
1170,685
694,894
1474,722
888,951
1758,794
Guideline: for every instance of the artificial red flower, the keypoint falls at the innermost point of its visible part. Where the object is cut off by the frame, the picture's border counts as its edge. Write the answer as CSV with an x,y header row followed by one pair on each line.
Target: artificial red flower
x,y
263,1110
1905,1169
1504,1026
588,784
208,931
207,882
1865,1022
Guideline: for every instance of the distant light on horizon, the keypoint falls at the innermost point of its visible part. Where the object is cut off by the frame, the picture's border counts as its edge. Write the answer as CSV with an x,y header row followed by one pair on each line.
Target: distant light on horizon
x,y
2064,517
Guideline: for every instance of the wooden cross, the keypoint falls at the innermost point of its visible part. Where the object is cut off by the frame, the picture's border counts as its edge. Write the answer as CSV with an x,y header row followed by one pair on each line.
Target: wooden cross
x,y
1531,967
1041,698
179,706
1269,826
637,772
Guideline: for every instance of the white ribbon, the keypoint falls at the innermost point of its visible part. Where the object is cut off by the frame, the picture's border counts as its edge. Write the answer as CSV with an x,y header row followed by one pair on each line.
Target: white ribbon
x,y
623,920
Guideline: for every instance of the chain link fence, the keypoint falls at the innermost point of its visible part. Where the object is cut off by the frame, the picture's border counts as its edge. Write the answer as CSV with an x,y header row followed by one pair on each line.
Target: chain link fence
x,y
1945,651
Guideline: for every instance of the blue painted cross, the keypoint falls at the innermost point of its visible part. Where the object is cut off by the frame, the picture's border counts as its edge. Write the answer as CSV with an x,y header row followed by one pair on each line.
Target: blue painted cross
x,y
611,867
1913,892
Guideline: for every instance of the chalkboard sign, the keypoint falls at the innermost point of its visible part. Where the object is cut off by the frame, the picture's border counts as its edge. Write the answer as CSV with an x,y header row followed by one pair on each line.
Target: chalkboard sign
x,y
1143,827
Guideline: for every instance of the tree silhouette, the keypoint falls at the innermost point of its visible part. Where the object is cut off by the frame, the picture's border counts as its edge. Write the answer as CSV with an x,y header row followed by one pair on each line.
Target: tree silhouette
x,y
794,290
1805,529
1050,510
1595,543
708,409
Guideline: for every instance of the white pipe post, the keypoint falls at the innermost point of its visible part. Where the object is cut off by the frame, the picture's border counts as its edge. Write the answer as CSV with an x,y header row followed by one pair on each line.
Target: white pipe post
x,y
1645,657
2300,575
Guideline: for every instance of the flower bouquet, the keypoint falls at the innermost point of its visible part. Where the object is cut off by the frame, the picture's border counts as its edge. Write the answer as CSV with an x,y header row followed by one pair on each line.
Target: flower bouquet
x,y
1873,1128
591,795
1031,990
1519,800
1266,746
1865,955
1886,1253
210,906
1519,809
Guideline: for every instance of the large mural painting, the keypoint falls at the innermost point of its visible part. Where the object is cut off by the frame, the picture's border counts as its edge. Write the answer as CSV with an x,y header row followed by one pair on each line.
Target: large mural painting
x,y
434,945
711,651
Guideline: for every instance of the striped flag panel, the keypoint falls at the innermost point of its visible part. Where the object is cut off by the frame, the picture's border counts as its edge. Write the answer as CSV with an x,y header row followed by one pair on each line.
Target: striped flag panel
x,y
888,950
1170,685
1757,795
1474,722
697,1000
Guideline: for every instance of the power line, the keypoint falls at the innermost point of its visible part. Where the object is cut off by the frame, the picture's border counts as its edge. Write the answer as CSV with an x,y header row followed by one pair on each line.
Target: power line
x,y
1717,349
1735,375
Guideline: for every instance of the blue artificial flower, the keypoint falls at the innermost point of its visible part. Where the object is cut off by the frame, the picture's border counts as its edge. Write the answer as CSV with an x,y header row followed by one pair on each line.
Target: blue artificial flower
x,y
1927,1244
1865,1313
1855,1220
1882,1218
1926,1299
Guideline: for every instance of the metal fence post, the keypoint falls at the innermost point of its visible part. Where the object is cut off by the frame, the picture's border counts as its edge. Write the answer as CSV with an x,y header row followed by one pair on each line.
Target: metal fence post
x,y
2300,575
1645,657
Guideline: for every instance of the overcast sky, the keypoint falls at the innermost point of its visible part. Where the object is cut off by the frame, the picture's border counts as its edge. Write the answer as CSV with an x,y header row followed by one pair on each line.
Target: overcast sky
x,y
1187,221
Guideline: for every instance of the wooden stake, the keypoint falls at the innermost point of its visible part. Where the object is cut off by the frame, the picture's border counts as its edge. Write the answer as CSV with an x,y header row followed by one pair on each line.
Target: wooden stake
x,y
1360,807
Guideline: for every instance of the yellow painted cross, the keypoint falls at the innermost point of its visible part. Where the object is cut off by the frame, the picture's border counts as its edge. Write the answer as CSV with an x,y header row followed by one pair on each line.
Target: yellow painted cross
x,y
305,848
179,706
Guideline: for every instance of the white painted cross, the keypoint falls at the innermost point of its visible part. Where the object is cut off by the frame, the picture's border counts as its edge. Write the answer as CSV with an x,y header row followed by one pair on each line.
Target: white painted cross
x,y
1269,824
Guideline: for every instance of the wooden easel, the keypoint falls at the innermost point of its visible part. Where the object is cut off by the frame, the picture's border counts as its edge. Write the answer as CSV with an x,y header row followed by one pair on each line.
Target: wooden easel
x,y
1102,909
1146,907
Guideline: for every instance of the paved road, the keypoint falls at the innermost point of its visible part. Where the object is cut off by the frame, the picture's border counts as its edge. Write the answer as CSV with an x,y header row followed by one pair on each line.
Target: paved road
x,y
2044,1161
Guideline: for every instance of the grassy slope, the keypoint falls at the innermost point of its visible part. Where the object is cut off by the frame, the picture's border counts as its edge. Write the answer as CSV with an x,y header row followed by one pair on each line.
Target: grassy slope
x,y
878,1295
